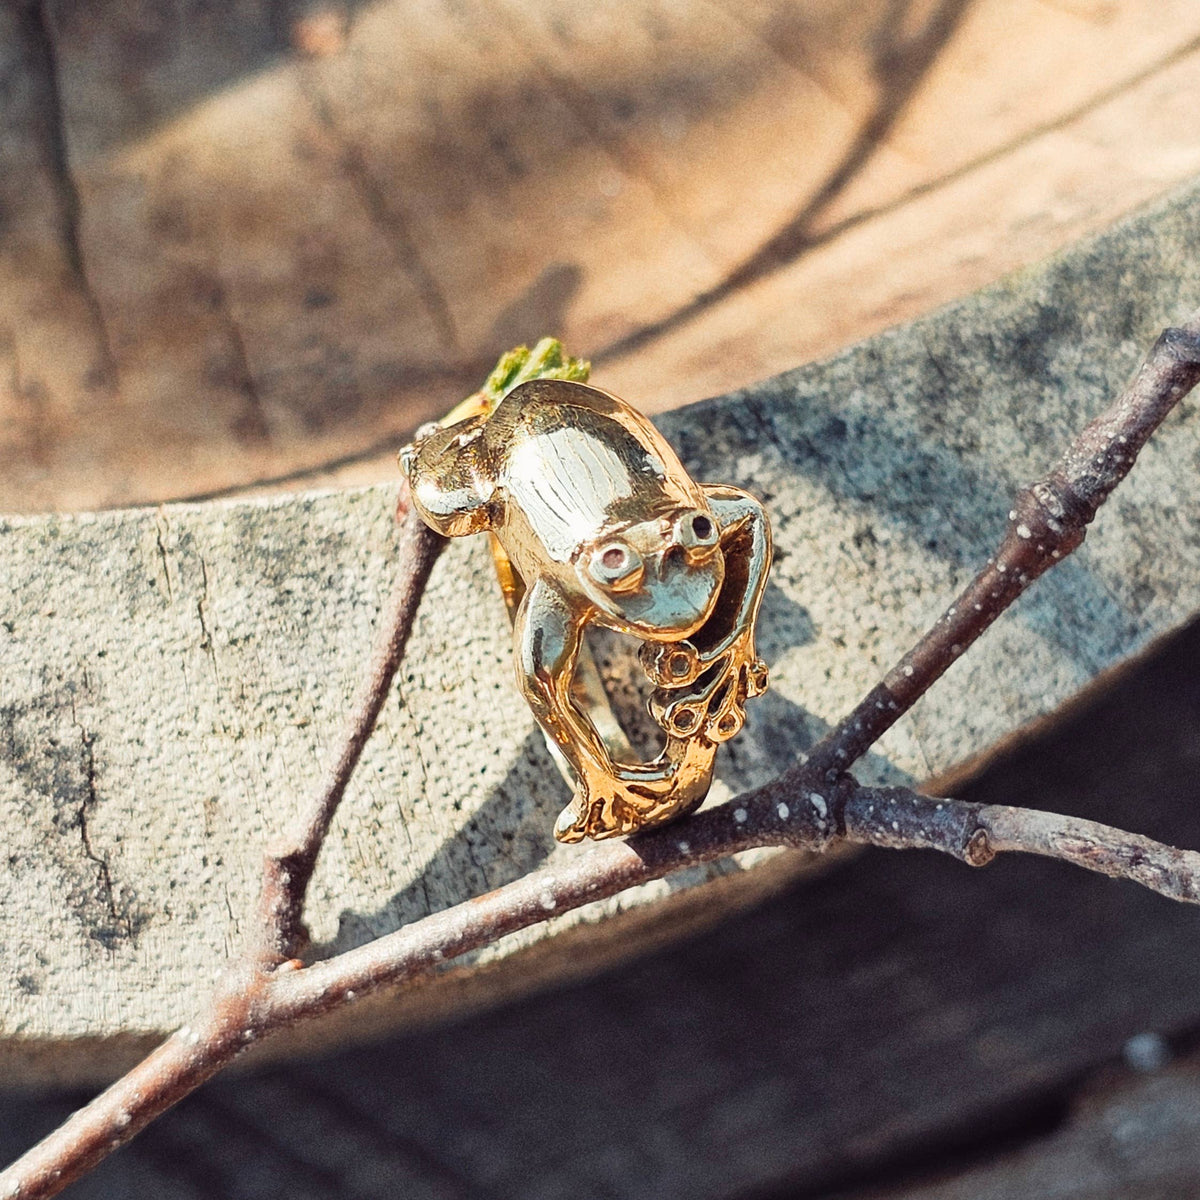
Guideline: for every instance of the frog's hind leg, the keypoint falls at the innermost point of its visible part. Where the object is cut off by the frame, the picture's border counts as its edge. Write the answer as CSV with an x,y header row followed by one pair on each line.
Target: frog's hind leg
x,y
608,797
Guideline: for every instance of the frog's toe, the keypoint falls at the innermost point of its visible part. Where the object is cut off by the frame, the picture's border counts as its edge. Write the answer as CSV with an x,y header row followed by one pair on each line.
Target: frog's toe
x,y
570,826
757,677
673,664
615,818
603,832
726,724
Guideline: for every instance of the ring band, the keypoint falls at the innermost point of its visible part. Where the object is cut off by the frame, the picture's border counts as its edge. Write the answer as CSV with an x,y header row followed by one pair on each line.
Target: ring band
x,y
593,521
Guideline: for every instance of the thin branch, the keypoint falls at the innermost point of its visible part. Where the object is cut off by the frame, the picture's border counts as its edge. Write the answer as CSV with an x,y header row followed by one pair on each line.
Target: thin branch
x,y
810,806
900,819
279,934
287,869
234,1018
793,814
189,1057
1048,520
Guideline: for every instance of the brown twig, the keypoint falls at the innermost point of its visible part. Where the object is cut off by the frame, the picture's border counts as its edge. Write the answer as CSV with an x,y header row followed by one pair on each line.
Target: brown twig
x,y
280,933
1048,520
810,806
794,814
235,1016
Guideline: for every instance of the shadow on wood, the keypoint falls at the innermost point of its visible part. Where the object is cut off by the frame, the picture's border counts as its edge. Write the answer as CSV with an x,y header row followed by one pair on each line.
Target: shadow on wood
x,y
900,1015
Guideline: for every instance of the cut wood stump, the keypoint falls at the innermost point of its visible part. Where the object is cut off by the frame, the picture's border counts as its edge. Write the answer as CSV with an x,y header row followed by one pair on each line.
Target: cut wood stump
x,y
897,1018
172,676
246,241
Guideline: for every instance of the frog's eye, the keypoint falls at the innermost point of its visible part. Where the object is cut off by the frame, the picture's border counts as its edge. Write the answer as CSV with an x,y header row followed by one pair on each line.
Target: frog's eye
x,y
616,565
696,530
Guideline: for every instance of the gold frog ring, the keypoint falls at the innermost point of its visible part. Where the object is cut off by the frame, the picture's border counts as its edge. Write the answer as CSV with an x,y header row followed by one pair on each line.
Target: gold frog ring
x,y
593,520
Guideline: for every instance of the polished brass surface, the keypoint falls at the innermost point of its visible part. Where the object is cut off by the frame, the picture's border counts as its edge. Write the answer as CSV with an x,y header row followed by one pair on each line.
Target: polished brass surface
x,y
594,520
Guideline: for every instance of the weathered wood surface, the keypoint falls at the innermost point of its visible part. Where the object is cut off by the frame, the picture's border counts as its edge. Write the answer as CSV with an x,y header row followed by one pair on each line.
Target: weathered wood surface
x,y
172,676
901,1018
245,240
1129,1135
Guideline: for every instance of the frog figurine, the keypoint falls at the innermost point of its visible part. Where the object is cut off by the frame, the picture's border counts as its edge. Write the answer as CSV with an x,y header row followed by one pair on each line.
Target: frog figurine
x,y
594,520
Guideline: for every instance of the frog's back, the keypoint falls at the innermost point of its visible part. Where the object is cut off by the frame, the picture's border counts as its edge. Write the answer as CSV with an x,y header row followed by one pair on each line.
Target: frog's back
x,y
575,460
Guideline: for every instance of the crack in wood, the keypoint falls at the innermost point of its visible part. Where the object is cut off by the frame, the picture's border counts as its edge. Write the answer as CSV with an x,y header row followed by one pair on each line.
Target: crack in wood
x,y
39,27
251,423
88,802
161,530
206,638
385,211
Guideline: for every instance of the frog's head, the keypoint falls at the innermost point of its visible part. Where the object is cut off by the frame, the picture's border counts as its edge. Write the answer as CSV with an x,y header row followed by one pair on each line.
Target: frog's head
x,y
658,579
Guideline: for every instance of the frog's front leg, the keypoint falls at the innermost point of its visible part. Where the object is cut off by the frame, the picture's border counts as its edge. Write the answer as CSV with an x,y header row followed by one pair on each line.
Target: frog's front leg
x,y
450,484
705,680
609,796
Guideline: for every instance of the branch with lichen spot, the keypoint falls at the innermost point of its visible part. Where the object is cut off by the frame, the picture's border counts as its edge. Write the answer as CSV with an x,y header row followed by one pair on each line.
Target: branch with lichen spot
x,y
1048,520
793,813
812,806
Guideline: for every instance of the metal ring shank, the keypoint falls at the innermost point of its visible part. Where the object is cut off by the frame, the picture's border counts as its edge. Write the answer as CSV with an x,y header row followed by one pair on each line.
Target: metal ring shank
x,y
587,687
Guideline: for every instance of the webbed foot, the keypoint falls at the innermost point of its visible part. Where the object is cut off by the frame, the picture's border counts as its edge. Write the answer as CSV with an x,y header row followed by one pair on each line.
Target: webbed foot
x,y
710,697
613,804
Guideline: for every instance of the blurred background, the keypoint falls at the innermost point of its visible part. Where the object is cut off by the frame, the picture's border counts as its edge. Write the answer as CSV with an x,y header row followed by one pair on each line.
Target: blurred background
x,y
252,244
258,240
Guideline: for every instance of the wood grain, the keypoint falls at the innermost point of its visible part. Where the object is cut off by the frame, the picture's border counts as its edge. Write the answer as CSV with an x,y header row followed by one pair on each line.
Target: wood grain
x,y
244,247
